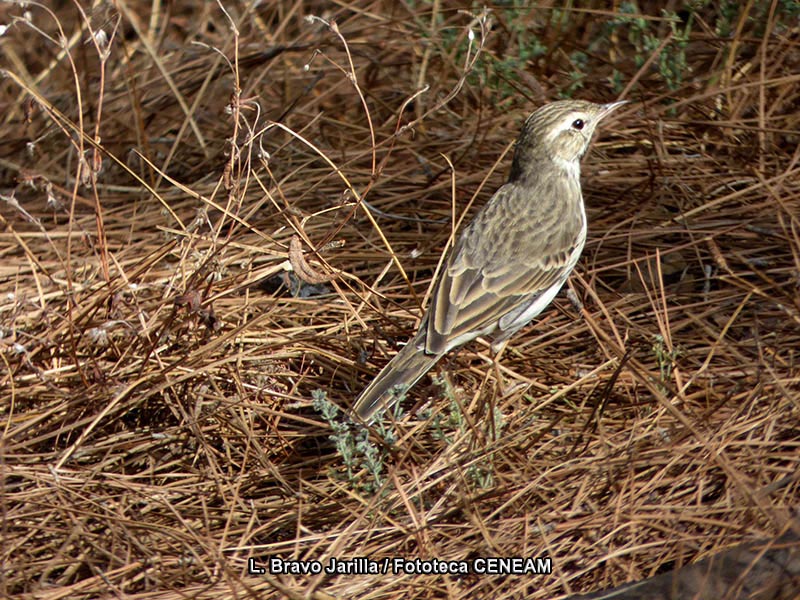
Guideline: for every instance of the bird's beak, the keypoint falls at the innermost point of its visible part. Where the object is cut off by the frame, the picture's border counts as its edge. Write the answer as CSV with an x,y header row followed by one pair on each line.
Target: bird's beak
x,y
611,107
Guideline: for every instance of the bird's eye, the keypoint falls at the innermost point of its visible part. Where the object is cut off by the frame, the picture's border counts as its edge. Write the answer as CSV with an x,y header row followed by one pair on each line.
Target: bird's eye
x,y
577,124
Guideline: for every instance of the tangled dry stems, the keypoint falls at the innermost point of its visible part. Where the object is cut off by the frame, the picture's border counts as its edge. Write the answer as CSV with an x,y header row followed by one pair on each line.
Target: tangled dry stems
x,y
160,353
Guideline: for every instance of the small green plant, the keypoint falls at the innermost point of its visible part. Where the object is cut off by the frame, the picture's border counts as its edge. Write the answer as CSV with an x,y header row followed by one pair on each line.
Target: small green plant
x,y
728,12
450,425
496,71
728,15
640,33
444,424
580,62
481,474
352,443
672,62
665,358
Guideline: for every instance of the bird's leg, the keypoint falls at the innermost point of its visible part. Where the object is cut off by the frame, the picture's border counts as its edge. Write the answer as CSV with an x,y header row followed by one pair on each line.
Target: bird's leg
x,y
497,349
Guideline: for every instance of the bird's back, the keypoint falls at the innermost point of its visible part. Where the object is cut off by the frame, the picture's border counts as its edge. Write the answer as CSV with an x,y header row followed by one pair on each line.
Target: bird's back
x,y
511,252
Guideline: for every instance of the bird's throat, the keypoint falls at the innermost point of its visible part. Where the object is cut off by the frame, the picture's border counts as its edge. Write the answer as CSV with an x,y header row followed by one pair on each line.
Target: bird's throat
x,y
572,168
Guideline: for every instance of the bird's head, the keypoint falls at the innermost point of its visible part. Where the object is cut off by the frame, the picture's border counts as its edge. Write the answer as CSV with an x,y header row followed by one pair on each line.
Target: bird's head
x,y
559,131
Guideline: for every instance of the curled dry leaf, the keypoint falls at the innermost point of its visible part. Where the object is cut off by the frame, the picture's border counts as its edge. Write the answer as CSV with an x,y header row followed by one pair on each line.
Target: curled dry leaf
x,y
305,271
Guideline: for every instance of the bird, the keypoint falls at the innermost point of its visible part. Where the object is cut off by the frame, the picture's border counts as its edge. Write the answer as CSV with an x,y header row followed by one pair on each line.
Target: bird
x,y
509,263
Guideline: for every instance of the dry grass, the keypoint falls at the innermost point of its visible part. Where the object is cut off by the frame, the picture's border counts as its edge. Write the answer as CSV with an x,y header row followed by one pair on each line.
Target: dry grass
x,y
157,373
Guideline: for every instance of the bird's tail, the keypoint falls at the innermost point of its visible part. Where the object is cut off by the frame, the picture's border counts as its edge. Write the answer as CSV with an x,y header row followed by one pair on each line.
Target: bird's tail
x,y
404,370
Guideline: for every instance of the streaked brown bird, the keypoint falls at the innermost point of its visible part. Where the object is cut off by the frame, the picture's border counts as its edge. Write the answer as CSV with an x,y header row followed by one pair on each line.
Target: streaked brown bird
x,y
512,259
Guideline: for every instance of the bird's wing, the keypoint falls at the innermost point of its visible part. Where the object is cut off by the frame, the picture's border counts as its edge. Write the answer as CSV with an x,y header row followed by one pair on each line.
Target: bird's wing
x,y
493,270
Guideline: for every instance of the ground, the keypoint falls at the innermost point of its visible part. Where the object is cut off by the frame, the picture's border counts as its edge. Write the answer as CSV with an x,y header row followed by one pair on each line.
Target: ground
x,y
218,224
